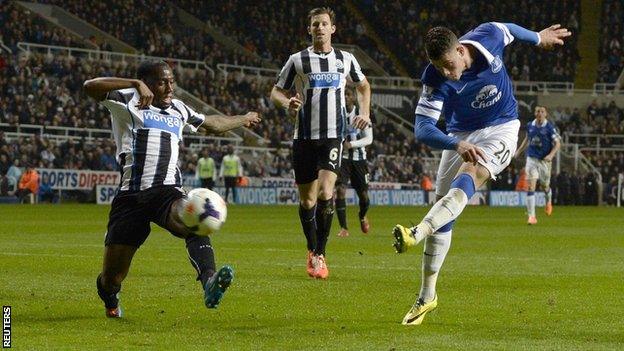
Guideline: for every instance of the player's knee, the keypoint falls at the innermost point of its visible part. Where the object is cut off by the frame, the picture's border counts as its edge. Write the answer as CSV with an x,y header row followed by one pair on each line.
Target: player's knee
x,y
307,203
325,193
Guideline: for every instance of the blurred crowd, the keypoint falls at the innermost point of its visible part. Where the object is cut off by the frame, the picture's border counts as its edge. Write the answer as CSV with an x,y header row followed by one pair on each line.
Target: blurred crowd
x,y
264,28
153,28
611,41
523,61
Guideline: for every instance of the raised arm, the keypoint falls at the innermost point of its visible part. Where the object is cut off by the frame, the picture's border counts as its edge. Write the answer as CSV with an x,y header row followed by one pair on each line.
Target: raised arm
x,y
546,38
97,88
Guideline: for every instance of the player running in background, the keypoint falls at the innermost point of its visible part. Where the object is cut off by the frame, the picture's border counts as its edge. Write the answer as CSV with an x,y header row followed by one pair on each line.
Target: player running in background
x,y
354,168
466,78
147,127
543,143
319,74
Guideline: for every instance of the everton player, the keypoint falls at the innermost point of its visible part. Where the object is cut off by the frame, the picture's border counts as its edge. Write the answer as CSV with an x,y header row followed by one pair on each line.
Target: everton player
x,y
466,80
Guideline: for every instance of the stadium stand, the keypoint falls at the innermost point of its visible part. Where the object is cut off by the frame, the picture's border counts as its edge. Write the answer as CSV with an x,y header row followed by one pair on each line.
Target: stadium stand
x,y
612,42
535,65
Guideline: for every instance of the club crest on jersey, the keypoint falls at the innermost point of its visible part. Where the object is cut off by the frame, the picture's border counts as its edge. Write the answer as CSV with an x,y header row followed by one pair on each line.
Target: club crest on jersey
x,y
168,123
324,80
496,64
339,64
487,96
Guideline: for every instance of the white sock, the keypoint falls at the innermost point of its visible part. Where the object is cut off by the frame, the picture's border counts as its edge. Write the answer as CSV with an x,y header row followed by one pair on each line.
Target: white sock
x,y
548,195
434,253
530,203
445,210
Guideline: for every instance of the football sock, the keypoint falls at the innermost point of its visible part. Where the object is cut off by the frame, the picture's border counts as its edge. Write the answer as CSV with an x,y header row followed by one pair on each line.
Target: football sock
x,y
201,255
364,203
530,203
341,211
110,298
324,216
308,223
434,253
548,194
447,208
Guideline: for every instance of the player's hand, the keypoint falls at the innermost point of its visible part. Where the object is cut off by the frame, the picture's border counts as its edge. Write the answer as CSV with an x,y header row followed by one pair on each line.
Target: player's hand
x,y
145,95
252,119
552,36
294,104
361,122
347,145
548,158
469,152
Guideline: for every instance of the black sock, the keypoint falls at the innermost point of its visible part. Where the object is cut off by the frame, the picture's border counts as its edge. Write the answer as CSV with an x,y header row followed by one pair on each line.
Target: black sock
x,y
201,256
341,211
364,203
109,297
324,216
308,223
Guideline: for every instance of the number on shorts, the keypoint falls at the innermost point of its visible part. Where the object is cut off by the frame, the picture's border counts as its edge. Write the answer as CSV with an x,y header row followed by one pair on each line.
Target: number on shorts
x,y
503,154
333,154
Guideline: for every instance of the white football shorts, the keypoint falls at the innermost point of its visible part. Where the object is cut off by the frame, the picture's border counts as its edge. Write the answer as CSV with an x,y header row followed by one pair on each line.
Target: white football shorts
x,y
538,169
498,143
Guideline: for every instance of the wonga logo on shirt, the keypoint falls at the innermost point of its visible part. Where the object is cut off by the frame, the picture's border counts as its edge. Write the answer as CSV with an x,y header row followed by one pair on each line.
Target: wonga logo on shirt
x,y
324,80
169,123
487,96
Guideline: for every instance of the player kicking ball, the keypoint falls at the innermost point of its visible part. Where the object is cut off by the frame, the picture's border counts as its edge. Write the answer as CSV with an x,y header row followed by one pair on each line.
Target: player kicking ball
x,y
467,78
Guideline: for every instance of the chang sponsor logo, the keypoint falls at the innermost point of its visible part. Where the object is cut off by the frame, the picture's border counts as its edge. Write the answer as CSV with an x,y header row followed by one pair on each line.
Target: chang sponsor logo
x,y
169,123
324,80
487,96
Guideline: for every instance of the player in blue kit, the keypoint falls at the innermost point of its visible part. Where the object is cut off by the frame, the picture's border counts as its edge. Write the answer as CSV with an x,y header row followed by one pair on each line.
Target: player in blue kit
x,y
466,81
543,143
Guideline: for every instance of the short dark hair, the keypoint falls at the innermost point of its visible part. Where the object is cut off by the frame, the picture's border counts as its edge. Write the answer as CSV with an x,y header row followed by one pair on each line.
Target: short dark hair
x,y
438,41
150,69
320,11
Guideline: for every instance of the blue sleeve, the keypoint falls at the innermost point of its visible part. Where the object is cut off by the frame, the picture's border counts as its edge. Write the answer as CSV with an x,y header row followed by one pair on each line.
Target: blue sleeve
x,y
426,132
522,33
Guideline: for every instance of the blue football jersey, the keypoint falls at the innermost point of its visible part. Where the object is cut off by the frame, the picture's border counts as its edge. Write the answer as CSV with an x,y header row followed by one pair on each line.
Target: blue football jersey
x,y
484,94
541,138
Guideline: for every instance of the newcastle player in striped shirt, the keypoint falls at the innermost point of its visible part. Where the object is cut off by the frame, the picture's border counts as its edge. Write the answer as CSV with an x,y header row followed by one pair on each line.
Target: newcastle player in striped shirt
x,y
147,126
319,73
354,168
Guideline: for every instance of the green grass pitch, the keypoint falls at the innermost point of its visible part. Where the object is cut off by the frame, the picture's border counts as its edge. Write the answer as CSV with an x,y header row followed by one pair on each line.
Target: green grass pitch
x,y
505,286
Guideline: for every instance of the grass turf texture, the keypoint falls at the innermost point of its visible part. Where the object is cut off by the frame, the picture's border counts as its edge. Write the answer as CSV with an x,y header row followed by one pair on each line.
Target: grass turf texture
x,y
505,285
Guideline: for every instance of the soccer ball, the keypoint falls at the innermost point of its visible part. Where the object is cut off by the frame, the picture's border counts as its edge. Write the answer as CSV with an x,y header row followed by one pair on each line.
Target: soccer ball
x,y
204,211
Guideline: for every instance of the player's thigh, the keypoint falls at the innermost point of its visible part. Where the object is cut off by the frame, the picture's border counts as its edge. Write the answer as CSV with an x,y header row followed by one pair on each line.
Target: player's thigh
x,y
450,162
165,204
305,161
128,221
345,173
532,169
330,155
359,176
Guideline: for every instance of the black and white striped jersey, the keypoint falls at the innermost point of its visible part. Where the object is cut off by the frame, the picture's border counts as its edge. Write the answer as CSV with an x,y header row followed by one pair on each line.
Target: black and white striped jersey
x,y
358,138
321,79
148,140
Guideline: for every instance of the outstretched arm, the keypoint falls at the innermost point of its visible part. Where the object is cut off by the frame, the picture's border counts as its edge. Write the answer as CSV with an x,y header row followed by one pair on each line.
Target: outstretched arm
x,y
546,38
219,124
